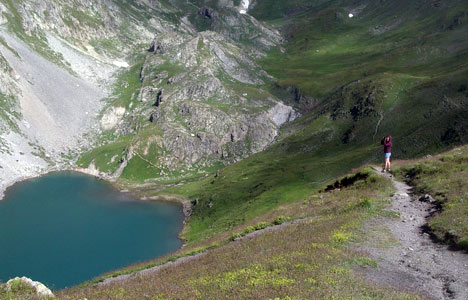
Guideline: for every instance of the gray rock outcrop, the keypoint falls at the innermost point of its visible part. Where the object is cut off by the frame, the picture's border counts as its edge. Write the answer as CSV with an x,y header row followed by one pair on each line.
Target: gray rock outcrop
x,y
41,289
212,107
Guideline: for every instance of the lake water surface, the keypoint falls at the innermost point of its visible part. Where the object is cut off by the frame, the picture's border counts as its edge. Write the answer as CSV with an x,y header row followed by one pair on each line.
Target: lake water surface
x,y
65,228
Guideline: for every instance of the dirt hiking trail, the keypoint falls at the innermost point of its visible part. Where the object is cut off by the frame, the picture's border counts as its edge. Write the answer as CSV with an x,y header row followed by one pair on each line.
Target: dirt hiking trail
x,y
414,262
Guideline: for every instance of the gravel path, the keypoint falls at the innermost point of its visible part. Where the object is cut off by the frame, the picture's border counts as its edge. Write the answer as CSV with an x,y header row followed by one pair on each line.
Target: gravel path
x,y
416,264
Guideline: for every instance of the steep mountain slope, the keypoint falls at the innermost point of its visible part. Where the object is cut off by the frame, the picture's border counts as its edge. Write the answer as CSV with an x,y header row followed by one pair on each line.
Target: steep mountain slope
x,y
394,68
48,120
400,64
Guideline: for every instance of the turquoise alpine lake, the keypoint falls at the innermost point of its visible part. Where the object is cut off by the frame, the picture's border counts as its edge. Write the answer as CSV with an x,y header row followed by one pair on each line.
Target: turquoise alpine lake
x,y
65,228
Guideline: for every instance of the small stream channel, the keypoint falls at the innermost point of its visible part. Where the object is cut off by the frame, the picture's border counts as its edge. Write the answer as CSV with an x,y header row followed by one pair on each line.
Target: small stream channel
x,y
65,228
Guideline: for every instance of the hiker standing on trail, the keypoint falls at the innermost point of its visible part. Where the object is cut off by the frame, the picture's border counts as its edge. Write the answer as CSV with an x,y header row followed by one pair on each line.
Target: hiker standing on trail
x,y
387,143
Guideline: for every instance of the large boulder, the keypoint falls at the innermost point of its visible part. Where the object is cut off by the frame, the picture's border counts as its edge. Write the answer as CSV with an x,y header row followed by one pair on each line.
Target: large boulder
x,y
41,289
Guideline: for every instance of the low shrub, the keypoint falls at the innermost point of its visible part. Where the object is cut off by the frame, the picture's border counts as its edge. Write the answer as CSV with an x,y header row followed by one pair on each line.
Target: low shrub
x,y
261,225
279,220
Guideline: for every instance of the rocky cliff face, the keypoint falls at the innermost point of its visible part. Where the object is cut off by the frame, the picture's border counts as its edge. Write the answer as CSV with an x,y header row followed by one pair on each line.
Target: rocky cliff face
x,y
161,90
201,101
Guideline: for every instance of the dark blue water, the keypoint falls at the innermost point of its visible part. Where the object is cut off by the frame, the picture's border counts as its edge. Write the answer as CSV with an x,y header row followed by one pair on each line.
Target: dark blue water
x,y
65,228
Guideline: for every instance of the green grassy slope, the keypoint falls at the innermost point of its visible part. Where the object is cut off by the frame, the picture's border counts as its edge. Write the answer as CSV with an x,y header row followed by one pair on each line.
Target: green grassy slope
x,y
404,62
290,170
396,68
310,259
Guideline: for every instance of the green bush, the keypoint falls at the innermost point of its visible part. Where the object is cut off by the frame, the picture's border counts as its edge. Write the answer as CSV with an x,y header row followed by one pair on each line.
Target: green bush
x,y
279,220
248,230
261,225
